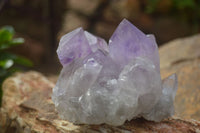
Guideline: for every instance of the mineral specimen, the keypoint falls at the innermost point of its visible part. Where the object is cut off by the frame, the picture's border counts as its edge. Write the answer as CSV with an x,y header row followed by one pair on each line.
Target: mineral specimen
x,y
110,84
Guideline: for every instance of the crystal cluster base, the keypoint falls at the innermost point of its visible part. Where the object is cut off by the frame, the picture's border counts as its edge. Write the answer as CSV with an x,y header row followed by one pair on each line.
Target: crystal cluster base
x,y
102,83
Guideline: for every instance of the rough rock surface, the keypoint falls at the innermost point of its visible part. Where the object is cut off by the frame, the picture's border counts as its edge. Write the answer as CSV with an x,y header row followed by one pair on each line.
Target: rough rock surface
x,y
183,57
179,50
27,107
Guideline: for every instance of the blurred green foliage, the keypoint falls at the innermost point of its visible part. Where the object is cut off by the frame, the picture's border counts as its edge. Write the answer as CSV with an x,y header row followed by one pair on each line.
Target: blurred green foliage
x,y
9,62
186,10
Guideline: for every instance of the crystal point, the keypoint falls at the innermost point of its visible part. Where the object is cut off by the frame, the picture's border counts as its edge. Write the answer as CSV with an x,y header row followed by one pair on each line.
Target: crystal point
x,y
110,84
73,45
128,42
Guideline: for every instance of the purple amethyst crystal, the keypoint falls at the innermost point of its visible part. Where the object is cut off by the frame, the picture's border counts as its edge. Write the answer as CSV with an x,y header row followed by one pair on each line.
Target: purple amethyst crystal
x,y
110,84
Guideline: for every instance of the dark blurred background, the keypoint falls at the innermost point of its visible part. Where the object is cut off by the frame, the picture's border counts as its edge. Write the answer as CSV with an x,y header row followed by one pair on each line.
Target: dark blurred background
x,y
42,22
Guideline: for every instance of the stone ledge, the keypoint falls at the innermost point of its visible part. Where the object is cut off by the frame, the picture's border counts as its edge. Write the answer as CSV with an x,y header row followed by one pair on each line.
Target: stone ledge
x,y
27,107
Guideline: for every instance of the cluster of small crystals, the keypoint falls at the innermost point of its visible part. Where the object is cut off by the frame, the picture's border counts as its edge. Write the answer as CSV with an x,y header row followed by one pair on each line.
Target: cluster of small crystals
x,y
112,83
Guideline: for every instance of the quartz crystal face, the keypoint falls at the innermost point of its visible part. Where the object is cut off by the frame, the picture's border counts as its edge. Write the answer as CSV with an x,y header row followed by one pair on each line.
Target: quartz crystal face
x,y
112,83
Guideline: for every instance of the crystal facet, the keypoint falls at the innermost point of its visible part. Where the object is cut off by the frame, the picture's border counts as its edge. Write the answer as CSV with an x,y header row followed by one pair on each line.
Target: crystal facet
x,y
110,84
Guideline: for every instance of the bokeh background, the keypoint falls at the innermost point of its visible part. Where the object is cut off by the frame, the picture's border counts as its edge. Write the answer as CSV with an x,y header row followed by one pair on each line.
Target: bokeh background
x,y
42,23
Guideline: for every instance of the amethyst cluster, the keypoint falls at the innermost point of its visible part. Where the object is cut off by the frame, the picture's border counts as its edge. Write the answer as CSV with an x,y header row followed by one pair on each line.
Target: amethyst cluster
x,y
112,83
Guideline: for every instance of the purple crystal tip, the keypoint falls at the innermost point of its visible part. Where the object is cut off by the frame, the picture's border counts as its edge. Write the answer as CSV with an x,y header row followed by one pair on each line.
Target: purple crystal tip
x,y
112,83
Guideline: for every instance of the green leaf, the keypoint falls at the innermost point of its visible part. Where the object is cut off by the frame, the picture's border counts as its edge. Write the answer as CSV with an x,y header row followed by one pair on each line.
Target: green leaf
x,y
17,41
17,59
6,38
7,45
3,46
9,28
6,63
23,61
6,34
12,43
6,56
